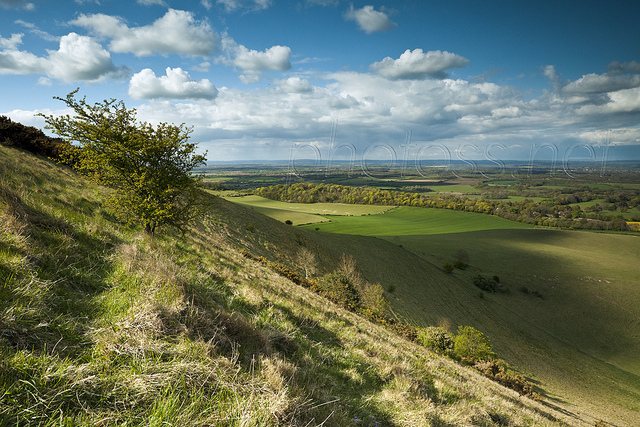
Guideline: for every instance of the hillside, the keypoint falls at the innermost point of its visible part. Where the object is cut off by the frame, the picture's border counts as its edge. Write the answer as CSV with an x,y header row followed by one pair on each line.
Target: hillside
x,y
100,324
569,315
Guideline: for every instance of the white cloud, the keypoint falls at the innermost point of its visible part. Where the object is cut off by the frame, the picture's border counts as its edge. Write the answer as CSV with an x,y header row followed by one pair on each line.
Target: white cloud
x,y
19,62
176,32
79,58
19,4
370,20
621,101
295,85
252,5
35,30
252,62
151,2
13,42
176,84
206,4
417,64
202,67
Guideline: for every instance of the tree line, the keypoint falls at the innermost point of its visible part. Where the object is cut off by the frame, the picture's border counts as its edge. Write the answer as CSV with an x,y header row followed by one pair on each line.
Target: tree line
x,y
549,212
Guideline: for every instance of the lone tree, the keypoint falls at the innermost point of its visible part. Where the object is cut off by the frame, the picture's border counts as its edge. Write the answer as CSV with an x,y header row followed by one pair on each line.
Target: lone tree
x,y
149,168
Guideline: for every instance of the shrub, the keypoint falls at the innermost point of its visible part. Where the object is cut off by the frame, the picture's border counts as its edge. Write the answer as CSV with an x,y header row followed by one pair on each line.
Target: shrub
x,y
499,373
372,301
288,222
448,267
436,339
460,265
148,167
472,344
338,288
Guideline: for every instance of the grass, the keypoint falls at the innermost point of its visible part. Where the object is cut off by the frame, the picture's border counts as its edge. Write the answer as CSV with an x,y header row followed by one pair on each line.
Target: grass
x,y
301,213
102,325
406,220
581,331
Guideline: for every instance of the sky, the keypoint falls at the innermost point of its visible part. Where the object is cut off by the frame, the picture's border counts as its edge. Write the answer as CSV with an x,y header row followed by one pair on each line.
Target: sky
x,y
463,80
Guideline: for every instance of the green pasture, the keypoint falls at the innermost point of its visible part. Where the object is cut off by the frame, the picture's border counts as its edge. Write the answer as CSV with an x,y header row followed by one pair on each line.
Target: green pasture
x,y
305,213
406,220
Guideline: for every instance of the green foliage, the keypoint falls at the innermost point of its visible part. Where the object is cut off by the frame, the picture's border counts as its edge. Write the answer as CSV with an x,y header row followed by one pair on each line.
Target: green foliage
x,y
372,301
436,339
448,267
149,168
28,138
499,373
471,344
338,288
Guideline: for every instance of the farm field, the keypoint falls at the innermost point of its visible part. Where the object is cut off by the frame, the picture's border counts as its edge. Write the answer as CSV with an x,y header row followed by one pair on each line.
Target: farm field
x,y
300,213
406,220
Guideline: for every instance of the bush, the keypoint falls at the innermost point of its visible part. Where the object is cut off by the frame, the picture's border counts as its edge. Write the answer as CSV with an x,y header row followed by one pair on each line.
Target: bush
x,y
338,288
29,138
148,167
448,267
436,339
470,343
499,373
372,301
460,265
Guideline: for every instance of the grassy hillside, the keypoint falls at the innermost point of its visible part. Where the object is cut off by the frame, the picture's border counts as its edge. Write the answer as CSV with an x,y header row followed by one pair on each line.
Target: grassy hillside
x,y
101,325
570,321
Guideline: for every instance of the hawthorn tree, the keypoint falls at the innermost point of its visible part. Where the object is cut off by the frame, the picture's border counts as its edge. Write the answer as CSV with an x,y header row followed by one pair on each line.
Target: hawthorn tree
x,y
149,168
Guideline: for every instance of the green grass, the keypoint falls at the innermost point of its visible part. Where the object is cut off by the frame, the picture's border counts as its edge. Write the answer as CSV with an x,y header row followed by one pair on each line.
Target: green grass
x,y
102,325
455,188
581,332
305,213
409,220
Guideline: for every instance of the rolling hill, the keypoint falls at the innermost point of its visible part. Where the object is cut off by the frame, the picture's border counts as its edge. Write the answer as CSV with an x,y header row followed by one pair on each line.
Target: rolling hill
x,y
102,325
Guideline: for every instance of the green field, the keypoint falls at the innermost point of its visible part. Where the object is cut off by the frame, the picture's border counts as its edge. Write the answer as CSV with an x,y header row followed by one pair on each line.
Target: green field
x,y
301,213
406,220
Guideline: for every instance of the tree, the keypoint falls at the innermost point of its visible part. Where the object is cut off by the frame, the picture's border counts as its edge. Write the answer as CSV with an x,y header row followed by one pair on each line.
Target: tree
x,y
307,260
149,168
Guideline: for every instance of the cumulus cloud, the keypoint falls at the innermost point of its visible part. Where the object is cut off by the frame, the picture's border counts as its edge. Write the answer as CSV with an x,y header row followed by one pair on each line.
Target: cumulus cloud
x,y
417,64
597,94
176,32
370,20
175,84
252,63
295,85
79,58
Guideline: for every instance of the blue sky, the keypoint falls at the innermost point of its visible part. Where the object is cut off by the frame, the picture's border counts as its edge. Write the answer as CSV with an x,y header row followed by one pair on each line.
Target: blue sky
x,y
269,79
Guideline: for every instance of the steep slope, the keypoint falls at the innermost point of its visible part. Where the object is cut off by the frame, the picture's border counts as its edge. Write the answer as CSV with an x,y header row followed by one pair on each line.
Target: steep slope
x,y
99,324
569,322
